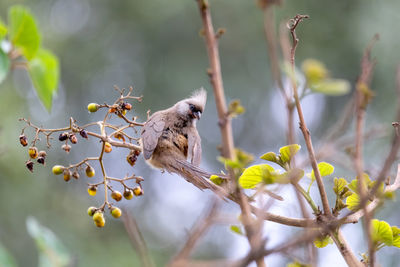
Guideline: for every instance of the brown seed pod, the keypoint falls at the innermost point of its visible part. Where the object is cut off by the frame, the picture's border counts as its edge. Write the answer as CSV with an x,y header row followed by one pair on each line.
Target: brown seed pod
x,y
29,165
42,153
137,152
73,139
83,133
75,174
33,152
131,158
63,136
23,140
126,106
41,160
66,148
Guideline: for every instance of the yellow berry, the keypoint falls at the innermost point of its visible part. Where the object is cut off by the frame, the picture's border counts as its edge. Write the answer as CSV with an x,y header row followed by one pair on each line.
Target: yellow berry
x,y
93,107
67,175
123,112
33,152
98,219
138,191
128,194
117,196
91,211
116,212
92,190
107,147
90,171
57,169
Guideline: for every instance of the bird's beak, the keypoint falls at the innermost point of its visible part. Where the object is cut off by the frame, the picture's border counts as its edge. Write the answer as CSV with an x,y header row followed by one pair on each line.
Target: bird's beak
x,y
197,115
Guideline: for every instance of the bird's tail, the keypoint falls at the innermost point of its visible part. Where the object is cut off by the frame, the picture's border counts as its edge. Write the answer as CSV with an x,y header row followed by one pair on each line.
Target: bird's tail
x,y
196,176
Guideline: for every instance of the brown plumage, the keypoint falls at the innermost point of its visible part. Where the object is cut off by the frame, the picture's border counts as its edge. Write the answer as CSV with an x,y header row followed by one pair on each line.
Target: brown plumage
x,y
169,138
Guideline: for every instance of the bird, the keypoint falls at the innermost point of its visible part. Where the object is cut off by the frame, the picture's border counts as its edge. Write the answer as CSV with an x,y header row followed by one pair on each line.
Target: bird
x,y
169,138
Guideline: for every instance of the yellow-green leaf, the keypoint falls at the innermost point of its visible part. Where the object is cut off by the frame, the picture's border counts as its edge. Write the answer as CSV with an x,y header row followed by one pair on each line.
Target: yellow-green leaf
x,y
338,185
23,31
297,264
332,87
314,70
353,201
382,232
4,65
324,168
236,229
3,29
44,72
321,242
254,175
270,156
353,186
396,236
216,179
287,152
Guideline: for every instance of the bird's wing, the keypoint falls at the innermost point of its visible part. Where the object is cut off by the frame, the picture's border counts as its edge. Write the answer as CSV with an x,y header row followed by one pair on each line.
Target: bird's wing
x,y
151,131
195,148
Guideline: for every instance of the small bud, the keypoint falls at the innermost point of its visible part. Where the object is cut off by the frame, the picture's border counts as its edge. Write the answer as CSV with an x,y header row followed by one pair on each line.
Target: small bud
x,y
42,154
33,152
98,219
41,160
83,133
91,211
29,165
73,139
128,194
57,169
92,190
117,196
93,107
23,140
67,175
126,106
75,174
138,191
90,171
107,147
66,148
63,136
116,212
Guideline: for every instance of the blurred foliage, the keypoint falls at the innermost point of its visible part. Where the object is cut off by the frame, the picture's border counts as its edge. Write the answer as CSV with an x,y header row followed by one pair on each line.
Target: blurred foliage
x,y
155,46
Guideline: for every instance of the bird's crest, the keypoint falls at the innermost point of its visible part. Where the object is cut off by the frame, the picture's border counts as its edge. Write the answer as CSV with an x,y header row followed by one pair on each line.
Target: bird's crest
x,y
199,97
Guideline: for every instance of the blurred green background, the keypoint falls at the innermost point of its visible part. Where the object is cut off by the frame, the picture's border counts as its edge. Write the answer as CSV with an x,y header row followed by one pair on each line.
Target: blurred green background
x,y
156,47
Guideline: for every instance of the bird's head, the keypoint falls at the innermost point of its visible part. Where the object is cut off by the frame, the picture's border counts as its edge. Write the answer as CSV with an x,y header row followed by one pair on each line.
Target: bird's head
x,y
193,106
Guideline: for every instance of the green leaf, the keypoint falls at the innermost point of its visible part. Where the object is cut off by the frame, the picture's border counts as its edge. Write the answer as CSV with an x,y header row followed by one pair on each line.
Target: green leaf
x,y
324,168
297,264
51,251
4,65
216,179
353,201
3,29
44,71
235,108
6,259
314,70
254,175
353,186
321,242
332,87
23,31
338,185
382,232
396,236
270,156
287,152
236,229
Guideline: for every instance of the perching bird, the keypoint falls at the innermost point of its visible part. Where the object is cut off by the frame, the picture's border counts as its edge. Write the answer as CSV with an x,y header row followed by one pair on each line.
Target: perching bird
x,y
169,138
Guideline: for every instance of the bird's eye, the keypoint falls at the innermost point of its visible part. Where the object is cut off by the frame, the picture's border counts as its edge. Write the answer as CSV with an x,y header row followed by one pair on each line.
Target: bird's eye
x,y
192,107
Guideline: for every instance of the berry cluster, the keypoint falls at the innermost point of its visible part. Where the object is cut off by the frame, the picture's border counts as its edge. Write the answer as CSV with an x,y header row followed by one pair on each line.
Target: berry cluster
x,y
110,136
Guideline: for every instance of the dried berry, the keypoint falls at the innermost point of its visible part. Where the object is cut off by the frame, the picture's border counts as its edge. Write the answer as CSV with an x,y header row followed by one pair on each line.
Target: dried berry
x,y
119,136
93,107
67,175
83,133
41,160
138,191
29,165
75,174
117,196
126,106
116,212
23,140
63,136
73,139
112,110
91,211
98,219
92,190
89,171
57,169
137,152
33,152
131,158
107,147
66,148
42,154
128,194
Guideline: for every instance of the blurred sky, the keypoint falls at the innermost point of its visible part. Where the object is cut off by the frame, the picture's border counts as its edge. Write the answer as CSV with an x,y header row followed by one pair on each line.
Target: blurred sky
x,y
156,47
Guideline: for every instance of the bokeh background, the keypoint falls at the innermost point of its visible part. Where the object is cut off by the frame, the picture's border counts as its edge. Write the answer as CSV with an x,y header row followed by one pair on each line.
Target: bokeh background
x,y
156,47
